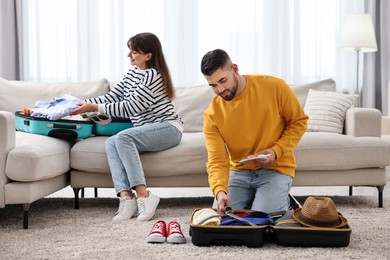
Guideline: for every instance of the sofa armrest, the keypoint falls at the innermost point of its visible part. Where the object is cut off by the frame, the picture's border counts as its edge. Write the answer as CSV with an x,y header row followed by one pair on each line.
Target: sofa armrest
x,y
363,122
7,143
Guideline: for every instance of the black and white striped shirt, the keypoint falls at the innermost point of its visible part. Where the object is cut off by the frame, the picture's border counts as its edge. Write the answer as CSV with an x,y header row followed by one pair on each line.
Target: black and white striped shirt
x,y
140,96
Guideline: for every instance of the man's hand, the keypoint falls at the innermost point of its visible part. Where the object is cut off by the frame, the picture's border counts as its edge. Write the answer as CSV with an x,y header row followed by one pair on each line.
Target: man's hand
x,y
222,202
266,161
85,107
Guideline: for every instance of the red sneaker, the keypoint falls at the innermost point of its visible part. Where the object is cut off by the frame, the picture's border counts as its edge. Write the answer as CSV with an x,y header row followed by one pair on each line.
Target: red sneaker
x,y
174,233
158,233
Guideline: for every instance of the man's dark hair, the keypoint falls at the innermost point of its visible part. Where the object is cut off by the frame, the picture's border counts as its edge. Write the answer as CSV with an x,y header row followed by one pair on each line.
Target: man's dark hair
x,y
214,60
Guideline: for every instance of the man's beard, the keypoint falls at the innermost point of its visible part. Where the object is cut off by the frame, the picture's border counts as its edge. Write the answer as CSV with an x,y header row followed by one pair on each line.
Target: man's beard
x,y
230,94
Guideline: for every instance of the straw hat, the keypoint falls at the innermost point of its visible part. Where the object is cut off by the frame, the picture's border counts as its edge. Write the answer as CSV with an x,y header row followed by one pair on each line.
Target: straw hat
x,y
319,212
206,216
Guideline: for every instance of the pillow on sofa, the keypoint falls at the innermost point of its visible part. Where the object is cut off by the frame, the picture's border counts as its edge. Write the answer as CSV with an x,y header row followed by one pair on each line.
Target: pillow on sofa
x,y
327,110
190,103
15,95
303,90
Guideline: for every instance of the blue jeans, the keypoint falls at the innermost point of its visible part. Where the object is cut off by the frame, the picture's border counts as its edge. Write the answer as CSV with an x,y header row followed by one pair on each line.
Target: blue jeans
x,y
124,149
262,190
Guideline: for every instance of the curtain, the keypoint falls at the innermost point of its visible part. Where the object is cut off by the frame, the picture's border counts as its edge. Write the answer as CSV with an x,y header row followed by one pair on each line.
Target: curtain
x,y
84,40
376,76
70,40
11,40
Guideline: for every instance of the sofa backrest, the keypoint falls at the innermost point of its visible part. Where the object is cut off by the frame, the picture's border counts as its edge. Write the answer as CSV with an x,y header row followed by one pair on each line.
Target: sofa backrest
x,y
190,102
302,90
16,95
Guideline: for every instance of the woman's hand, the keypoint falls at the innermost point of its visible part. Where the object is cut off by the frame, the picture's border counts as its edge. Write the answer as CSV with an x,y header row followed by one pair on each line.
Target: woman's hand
x,y
85,107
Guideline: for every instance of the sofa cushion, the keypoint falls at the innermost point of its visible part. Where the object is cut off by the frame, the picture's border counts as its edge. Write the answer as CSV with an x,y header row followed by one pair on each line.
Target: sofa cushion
x,y
190,155
330,151
302,90
37,157
327,110
90,155
190,103
15,95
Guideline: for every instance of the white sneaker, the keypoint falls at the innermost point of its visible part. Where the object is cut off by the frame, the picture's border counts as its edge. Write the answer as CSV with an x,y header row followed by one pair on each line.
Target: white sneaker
x,y
127,209
147,207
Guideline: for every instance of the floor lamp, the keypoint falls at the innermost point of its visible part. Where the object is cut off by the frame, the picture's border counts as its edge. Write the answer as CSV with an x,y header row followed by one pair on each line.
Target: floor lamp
x,y
358,35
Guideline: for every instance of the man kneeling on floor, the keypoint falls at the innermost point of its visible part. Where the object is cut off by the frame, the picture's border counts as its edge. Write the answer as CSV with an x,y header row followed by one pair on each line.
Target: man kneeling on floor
x,y
251,127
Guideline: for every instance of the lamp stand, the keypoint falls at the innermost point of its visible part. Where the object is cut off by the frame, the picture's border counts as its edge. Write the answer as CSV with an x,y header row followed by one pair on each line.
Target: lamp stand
x,y
359,98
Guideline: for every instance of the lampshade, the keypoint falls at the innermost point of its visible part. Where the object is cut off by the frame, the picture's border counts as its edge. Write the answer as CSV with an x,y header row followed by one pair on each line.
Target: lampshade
x,y
358,34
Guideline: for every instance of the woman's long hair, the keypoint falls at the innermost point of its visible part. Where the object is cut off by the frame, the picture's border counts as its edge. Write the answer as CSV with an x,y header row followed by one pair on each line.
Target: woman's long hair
x,y
149,43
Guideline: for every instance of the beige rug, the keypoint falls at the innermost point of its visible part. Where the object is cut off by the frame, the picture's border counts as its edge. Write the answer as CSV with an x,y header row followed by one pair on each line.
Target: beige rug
x,y
58,231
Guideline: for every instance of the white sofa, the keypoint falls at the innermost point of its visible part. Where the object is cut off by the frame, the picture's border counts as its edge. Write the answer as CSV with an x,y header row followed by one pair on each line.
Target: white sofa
x,y
33,166
386,119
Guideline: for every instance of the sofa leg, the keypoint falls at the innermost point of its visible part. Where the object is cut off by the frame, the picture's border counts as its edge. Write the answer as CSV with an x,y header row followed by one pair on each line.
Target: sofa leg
x,y
26,208
380,196
83,192
76,198
350,190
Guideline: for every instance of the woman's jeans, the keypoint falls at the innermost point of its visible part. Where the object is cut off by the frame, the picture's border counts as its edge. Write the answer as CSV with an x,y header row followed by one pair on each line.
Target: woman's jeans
x,y
261,190
124,149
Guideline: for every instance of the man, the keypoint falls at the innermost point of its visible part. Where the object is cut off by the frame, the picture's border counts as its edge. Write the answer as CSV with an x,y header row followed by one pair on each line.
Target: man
x,y
255,117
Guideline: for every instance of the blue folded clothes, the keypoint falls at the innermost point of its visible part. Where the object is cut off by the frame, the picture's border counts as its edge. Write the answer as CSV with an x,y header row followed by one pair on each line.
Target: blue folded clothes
x,y
257,217
55,108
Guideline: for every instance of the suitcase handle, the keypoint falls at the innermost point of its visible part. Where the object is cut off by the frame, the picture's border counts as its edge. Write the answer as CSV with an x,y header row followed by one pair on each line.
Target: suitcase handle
x,y
63,133
75,127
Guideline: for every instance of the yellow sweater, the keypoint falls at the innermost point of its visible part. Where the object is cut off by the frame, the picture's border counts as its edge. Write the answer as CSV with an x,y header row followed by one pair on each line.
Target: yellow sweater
x,y
267,114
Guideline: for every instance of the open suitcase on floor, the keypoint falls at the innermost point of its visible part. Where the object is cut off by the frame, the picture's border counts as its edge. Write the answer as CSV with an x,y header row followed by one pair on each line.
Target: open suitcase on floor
x,y
67,129
283,228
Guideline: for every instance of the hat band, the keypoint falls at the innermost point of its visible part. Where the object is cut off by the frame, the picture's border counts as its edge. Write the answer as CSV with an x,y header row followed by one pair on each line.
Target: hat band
x,y
320,223
208,218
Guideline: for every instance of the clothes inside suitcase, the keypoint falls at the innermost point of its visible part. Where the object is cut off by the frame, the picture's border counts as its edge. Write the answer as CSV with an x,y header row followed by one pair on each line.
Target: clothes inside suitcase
x,y
67,129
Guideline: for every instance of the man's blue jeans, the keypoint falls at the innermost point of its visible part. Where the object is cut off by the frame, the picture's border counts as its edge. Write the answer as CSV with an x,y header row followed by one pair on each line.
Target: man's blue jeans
x,y
261,190
124,149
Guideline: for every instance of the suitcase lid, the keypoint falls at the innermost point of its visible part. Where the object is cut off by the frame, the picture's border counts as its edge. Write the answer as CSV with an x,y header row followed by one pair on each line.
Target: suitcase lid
x,y
69,119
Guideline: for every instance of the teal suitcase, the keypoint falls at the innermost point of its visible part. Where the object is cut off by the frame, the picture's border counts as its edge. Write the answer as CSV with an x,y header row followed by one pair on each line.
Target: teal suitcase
x,y
115,126
67,129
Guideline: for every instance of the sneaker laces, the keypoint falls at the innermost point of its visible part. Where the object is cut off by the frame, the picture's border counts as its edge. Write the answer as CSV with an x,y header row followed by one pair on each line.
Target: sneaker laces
x,y
141,205
121,207
174,228
158,228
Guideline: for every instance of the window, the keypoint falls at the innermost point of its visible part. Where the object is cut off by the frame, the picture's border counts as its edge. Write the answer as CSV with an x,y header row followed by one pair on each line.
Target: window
x,y
74,40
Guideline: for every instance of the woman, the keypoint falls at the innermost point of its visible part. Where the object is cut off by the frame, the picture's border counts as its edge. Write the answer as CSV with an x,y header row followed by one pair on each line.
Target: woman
x,y
144,95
